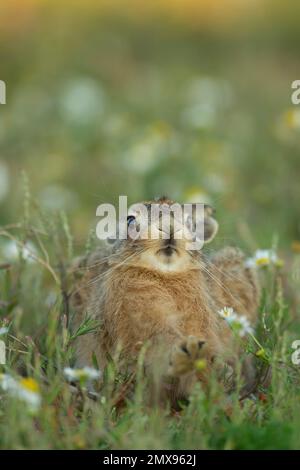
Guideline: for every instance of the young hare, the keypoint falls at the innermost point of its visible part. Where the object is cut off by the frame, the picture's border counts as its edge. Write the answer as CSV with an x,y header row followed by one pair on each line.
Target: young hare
x,y
157,294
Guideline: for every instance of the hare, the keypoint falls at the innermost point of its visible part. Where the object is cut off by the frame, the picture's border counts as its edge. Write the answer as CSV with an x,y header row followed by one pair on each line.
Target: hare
x,y
158,295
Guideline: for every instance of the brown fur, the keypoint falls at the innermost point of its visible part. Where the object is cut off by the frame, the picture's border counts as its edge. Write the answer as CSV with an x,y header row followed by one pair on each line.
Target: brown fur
x,y
172,312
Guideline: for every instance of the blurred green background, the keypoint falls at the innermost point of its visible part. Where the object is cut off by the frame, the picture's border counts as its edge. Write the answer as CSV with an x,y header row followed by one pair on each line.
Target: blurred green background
x,y
182,98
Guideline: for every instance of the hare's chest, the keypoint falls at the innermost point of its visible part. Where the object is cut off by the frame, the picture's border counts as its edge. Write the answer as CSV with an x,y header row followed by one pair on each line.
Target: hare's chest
x,y
153,308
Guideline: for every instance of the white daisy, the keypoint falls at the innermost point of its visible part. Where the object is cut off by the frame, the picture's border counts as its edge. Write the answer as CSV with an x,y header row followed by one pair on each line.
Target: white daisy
x,y
227,313
245,326
56,197
263,258
11,250
238,323
7,382
83,101
24,389
81,375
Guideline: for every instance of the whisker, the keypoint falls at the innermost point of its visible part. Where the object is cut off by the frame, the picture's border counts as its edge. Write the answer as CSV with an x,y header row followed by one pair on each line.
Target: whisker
x,y
221,285
113,268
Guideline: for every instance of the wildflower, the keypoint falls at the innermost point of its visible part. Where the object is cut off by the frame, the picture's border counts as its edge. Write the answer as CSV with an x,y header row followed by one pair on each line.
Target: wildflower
x,y
3,331
25,389
263,258
144,155
30,384
103,400
7,382
195,194
215,182
262,354
227,313
291,118
200,364
82,375
83,101
209,90
56,197
29,391
205,96
238,323
79,442
200,116
11,251
244,325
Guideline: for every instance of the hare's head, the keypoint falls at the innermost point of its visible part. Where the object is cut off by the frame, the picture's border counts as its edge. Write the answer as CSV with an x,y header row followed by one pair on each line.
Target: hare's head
x,y
165,236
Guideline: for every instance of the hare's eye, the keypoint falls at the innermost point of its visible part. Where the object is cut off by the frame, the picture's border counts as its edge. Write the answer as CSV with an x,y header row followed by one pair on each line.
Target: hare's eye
x,y
130,219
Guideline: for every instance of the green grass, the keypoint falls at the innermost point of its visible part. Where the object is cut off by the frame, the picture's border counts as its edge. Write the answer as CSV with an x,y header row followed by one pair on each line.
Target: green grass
x,y
97,108
39,345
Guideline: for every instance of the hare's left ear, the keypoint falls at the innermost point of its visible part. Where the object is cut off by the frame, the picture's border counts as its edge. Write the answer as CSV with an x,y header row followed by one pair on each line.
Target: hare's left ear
x,y
201,222
211,226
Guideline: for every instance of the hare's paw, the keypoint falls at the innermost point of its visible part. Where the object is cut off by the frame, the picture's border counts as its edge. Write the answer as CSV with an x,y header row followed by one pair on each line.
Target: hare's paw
x,y
185,354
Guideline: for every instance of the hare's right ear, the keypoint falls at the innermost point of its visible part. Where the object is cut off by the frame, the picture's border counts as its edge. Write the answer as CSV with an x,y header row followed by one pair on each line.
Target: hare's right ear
x,y
211,226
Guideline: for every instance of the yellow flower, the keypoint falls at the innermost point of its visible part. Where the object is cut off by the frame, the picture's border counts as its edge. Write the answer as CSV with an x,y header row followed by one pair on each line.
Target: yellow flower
x,y
79,442
262,261
196,194
30,384
24,389
292,118
279,263
200,364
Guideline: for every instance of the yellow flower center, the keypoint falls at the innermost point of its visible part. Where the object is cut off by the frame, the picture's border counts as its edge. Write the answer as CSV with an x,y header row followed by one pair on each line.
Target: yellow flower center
x,y
30,384
200,364
262,261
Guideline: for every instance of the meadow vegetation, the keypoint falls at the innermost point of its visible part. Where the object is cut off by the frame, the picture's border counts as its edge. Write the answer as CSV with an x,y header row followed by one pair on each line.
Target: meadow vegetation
x,y
99,105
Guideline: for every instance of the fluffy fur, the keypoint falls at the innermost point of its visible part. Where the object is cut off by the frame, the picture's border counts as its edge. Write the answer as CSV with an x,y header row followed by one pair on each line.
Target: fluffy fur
x,y
165,302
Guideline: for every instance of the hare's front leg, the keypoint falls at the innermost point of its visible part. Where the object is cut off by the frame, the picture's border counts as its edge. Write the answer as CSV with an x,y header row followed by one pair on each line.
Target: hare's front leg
x,y
192,358
184,356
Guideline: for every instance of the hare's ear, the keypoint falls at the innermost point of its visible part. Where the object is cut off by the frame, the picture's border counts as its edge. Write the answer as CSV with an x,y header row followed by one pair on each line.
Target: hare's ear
x,y
201,222
211,226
